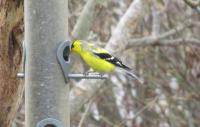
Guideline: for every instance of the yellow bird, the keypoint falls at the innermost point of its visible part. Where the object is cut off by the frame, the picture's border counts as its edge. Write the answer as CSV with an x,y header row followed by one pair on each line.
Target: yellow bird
x,y
99,59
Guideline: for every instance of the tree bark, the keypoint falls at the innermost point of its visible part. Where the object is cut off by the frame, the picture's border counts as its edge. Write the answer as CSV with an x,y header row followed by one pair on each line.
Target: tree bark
x,y
11,20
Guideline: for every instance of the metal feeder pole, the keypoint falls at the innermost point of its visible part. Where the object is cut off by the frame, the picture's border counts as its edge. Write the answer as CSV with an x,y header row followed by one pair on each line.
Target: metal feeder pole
x,y
46,93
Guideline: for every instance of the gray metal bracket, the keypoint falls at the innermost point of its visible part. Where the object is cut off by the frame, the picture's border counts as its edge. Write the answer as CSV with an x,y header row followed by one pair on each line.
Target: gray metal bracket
x,y
63,53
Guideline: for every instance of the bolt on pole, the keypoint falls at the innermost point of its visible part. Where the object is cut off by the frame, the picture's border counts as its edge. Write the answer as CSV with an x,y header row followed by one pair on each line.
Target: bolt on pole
x,y
46,93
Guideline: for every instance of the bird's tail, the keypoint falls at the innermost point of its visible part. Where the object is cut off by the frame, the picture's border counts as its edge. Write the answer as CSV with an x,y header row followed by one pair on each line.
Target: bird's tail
x,y
130,73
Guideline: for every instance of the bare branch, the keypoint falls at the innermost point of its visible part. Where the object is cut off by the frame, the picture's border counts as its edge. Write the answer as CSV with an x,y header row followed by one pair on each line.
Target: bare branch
x,y
156,20
85,113
170,42
195,4
125,27
148,105
152,40
143,42
85,21
179,41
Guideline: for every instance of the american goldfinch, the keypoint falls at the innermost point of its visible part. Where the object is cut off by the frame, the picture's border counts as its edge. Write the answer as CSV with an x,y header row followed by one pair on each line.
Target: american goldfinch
x,y
99,59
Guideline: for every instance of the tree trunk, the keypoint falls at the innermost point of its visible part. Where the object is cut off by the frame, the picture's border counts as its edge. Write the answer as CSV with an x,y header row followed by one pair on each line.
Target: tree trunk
x,y
11,20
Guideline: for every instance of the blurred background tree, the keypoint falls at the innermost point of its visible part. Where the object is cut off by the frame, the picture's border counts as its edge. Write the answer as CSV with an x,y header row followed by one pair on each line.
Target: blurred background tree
x,y
159,39
163,47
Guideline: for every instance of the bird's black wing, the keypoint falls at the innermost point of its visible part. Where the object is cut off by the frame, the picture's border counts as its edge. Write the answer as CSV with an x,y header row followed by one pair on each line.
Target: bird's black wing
x,y
111,59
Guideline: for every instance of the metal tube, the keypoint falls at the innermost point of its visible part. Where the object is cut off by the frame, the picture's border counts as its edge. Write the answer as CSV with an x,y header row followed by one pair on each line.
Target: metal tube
x,y
46,94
